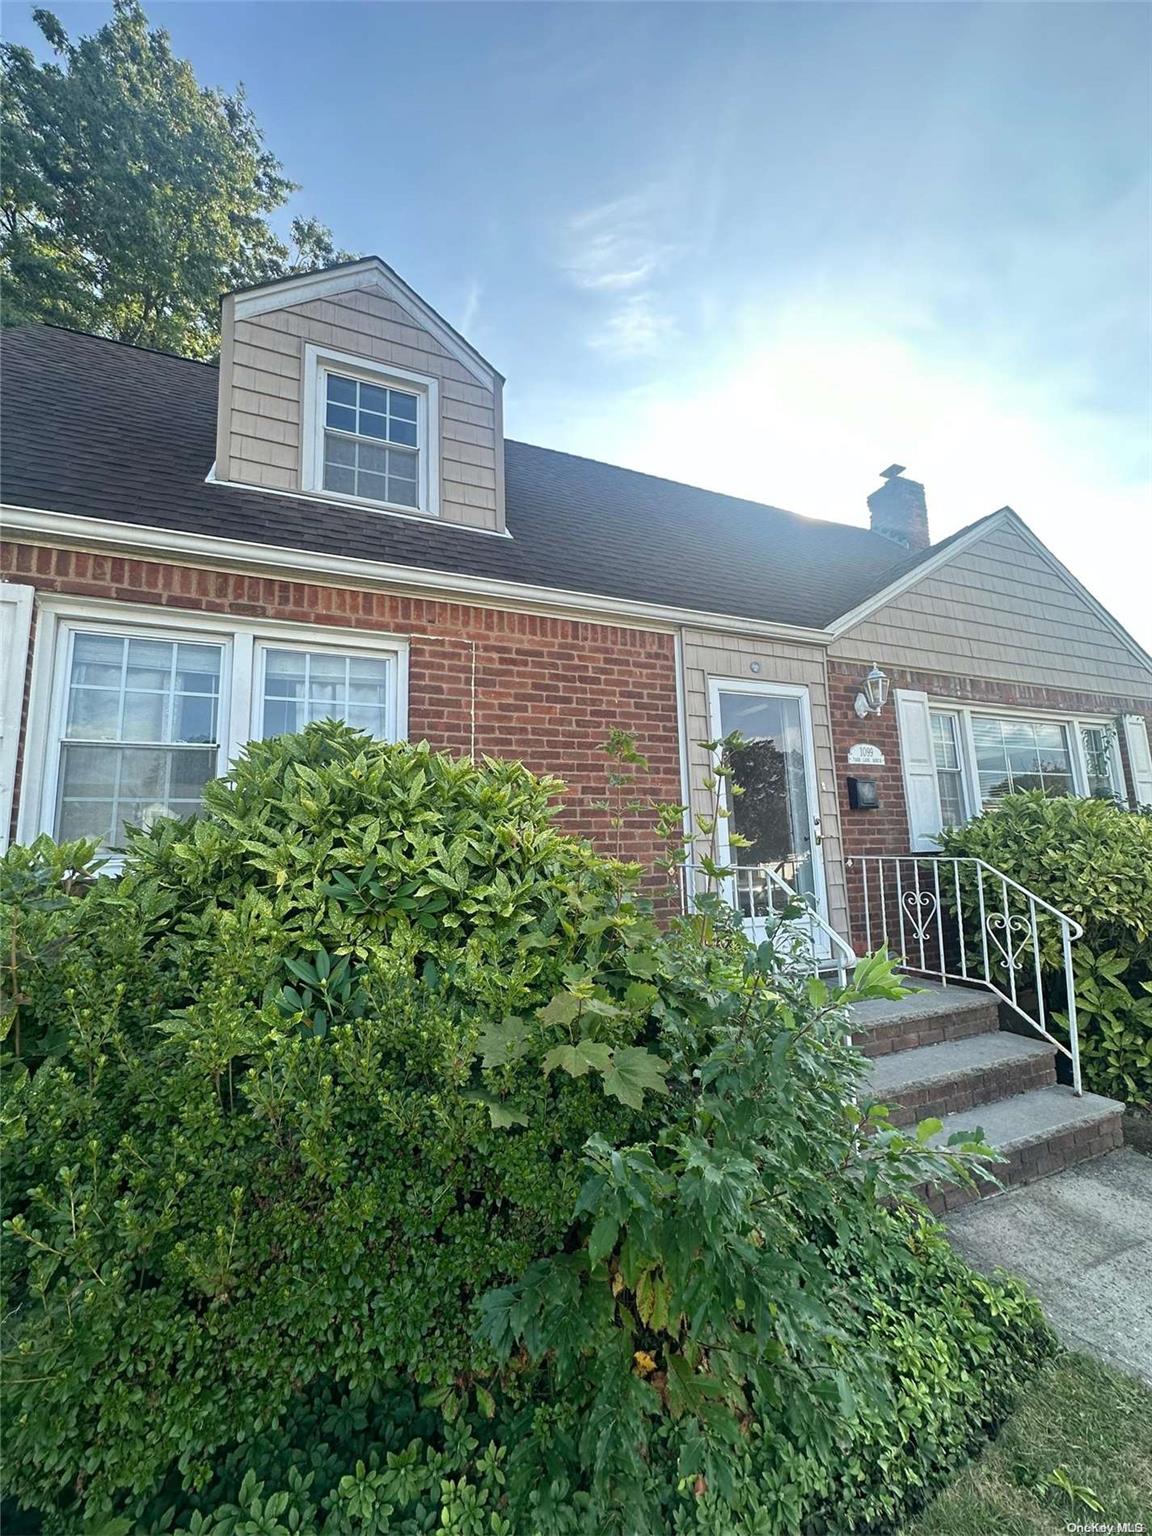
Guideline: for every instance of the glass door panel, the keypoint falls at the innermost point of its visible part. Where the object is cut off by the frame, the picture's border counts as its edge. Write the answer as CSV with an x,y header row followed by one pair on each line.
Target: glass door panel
x,y
775,811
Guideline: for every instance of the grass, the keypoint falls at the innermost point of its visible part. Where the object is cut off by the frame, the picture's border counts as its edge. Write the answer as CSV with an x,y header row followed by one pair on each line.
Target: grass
x,y
1084,1422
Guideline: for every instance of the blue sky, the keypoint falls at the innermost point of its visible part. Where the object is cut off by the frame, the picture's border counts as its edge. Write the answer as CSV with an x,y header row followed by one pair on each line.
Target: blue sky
x,y
763,248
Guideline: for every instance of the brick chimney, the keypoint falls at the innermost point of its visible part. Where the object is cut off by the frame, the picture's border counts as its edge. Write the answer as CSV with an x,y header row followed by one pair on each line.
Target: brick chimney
x,y
899,510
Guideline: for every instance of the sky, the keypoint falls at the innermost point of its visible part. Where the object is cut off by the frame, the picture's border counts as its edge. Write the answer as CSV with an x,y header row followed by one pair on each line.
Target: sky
x,y
763,248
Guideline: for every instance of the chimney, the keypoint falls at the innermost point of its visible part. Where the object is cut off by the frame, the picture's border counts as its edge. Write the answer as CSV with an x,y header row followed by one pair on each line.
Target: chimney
x,y
899,510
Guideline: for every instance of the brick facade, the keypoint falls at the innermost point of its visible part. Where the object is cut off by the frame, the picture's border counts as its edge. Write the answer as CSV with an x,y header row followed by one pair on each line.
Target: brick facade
x,y
509,684
885,830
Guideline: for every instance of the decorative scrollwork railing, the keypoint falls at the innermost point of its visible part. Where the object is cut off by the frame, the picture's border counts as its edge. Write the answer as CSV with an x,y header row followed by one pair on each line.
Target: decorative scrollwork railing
x,y
959,919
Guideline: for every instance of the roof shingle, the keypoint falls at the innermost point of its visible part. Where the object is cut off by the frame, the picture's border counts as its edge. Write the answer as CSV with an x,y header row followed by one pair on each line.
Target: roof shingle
x,y
95,428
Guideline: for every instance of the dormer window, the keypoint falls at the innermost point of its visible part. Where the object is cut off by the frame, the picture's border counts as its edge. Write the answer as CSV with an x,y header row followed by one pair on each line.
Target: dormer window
x,y
371,442
373,433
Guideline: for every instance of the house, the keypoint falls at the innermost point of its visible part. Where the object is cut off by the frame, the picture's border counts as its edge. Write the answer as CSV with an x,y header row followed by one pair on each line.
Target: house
x,y
331,522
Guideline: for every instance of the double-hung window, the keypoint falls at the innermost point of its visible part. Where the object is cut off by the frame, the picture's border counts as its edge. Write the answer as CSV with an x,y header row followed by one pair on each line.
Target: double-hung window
x,y
141,732
132,717
947,751
371,441
1102,763
301,686
370,433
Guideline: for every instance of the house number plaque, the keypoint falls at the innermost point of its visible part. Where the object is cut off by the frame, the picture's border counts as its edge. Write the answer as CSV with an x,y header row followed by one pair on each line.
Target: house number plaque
x,y
865,753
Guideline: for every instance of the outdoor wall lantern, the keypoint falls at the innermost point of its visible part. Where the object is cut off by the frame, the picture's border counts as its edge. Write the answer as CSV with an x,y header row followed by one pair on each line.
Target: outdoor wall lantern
x,y
873,693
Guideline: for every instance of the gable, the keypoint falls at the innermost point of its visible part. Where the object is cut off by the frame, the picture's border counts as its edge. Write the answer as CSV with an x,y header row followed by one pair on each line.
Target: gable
x,y
271,338
1000,609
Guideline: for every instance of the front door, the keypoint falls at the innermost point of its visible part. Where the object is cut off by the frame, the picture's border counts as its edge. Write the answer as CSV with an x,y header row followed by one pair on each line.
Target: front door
x,y
778,810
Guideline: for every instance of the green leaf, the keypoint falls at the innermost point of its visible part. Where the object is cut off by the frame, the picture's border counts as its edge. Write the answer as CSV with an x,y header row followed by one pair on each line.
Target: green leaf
x,y
502,1041
577,1060
634,1070
928,1128
563,1009
602,1239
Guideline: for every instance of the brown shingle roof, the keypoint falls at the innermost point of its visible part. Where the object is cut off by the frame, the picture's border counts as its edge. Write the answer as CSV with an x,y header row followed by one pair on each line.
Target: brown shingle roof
x,y
95,428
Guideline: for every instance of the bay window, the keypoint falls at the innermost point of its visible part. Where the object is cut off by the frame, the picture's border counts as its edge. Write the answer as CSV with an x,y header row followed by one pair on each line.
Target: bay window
x,y
131,717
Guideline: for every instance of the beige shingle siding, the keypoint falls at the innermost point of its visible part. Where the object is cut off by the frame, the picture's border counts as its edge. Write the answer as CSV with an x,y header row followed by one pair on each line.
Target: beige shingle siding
x,y
260,422
1000,611
709,654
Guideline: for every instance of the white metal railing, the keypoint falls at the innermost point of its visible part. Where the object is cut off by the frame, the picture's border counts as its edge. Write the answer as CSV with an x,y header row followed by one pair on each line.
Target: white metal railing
x,y
761,896
959,919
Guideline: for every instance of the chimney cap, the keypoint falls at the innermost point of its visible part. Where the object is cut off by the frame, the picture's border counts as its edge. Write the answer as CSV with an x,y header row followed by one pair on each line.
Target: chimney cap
x,y
892,471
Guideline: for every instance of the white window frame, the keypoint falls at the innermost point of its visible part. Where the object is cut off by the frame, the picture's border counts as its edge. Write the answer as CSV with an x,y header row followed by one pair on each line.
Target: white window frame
x,y
962,737
1073,724
241,680
319,362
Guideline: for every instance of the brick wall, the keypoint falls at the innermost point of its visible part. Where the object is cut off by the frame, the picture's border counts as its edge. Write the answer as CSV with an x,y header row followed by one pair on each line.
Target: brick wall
x,y
885,830
544,690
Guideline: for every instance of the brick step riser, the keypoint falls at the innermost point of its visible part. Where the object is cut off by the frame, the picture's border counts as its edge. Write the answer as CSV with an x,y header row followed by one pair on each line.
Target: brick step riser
x,y
971,1090
1027,1164
907,1034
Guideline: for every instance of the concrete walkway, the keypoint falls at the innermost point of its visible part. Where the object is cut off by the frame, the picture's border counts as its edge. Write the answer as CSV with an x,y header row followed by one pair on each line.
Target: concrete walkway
x,y
1082,1240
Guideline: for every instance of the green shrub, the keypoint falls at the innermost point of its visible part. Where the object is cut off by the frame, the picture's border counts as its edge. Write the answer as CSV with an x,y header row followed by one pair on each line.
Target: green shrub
x,y
373,1163
1093,861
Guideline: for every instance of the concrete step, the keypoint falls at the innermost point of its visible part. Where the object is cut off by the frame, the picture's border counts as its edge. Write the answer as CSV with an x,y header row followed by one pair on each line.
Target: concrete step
x,y
925,1017
957,1075
1038,1133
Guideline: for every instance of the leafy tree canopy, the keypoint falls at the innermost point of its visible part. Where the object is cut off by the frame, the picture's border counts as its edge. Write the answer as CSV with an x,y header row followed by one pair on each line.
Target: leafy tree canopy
x,y
132,195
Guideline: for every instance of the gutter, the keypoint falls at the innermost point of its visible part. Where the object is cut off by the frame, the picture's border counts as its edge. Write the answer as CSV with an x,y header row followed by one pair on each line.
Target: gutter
x,y
140,541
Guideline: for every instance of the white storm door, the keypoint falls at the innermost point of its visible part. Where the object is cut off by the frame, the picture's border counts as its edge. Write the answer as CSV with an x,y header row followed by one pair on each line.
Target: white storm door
x,y
778,811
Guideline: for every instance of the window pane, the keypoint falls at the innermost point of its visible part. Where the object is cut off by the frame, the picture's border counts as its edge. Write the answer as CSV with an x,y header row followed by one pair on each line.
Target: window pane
x,y
341,480
372,425
372,459
97,660
403,492
103,788
149,664
402,406
1016,755
1098,742
93,714
325,685
372,487
944,741
373,398
341,389
951,798
146,717
342,417
164,690
402,431
339,450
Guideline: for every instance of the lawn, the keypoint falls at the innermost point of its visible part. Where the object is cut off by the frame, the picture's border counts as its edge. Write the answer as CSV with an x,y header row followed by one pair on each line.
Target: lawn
x,y
1082,1425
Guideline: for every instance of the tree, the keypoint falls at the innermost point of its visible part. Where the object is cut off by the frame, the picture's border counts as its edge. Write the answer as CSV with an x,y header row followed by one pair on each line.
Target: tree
x,y
133,196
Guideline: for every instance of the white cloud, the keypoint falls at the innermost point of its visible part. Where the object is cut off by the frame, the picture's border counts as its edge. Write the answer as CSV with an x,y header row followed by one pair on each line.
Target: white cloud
x,y
613,253
611,248
634,328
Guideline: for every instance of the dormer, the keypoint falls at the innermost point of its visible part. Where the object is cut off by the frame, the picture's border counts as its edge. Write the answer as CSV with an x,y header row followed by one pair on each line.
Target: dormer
x,y
344,385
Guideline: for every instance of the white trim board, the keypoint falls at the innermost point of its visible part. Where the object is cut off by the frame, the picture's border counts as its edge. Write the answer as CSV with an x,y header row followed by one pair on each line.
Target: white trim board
x,y
146,542
366,275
